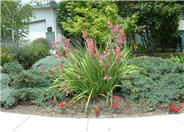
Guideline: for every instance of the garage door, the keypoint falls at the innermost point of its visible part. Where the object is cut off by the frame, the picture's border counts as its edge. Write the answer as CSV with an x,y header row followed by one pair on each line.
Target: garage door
x,y
37,30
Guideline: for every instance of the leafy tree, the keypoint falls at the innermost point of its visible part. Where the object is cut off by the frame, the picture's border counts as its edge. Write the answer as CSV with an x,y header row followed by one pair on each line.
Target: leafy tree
x,y
160,21
73,17
15,18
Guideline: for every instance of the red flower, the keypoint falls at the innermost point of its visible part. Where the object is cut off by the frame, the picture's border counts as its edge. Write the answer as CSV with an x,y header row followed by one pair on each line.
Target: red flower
x,y
96,111
115,104
178,109
74,105
52,101
142,103
85,101
113,97
171,107
117,96
61,105
119,101
67,101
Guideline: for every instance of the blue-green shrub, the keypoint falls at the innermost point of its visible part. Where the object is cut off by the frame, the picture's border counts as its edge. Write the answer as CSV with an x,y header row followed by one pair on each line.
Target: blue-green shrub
x,y
12,68
38,96
6,98
49,62
33,78
160,82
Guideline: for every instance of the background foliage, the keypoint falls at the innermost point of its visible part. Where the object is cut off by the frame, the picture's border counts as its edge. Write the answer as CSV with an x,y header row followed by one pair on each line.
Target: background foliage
x,y
73,17
160,21
15,18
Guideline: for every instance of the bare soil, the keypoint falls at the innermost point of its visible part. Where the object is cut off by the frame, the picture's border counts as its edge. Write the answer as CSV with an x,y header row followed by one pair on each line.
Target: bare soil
x,y
125,109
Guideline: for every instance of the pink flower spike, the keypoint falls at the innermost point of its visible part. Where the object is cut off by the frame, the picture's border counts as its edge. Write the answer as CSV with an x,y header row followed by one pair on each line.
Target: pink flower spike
x,y
84,32
100,62
116,28
109,78
123,35
78,76
67,92
60,36
109,22
63,84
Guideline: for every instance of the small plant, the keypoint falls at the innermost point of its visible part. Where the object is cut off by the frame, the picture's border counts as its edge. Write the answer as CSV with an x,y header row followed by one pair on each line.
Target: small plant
x,y
6,56
175,107
178,59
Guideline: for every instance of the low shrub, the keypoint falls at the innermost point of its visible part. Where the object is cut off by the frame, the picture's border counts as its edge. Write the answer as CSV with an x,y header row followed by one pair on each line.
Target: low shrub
x,y
24,55
6,98
32,78
49,62
178,58
4,80
37,96
12,68
41,40
28,54
40,50
158,83
6,57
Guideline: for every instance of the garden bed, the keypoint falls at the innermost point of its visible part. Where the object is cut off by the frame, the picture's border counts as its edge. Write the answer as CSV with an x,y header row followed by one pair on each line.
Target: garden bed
x,y
125,109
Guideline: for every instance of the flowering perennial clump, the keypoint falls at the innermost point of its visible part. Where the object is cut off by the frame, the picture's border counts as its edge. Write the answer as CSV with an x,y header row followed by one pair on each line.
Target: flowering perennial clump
x,y
93,71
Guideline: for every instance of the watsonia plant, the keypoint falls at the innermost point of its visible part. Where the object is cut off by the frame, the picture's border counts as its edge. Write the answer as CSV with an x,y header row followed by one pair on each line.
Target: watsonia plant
x,y
93,72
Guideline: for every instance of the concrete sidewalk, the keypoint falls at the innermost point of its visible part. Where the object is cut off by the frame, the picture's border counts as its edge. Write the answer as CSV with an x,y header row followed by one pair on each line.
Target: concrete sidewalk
x,y
10,122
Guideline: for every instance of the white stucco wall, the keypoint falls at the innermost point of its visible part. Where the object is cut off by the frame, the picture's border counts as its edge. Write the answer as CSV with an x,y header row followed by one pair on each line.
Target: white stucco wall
x,y
181,25
39,29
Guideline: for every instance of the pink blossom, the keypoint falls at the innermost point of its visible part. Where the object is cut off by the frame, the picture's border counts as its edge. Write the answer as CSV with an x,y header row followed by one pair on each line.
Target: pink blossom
x,y
105,77
118,51
100,62
54,46
120,41
59,56
78,76
63,84
85,32
67,92
60,36
91,46
110,24
109,78
67,46
123,35
116,28
53,70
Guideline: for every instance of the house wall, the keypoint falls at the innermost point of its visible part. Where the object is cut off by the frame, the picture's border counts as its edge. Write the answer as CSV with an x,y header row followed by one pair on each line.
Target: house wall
x,y
36,29
181,25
